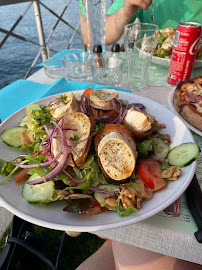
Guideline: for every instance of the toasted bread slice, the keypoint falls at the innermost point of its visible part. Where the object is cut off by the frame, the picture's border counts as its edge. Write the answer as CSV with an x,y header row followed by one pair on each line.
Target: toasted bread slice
x,y
116,152
102,98
140,124
79,127
101,103
65,103
82,159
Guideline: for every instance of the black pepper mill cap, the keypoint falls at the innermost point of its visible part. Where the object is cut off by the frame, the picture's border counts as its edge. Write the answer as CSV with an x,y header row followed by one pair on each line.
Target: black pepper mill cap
x,y
97,48
115,47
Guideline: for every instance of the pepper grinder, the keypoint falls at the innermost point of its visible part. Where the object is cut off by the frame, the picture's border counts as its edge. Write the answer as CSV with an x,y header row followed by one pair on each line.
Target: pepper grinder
x,y
98,59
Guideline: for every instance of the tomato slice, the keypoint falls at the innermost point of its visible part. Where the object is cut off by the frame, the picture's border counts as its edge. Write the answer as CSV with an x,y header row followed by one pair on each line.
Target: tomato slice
x,y
88,91
21,175
149,171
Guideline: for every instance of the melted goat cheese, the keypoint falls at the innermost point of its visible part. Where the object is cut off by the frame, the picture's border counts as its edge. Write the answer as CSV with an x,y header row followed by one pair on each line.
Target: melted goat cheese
x,y
81,125
102,98
117,156
138,120
66,103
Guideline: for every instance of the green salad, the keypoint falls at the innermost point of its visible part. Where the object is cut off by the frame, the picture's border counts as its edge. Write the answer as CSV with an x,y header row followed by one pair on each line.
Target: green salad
x,y
60,159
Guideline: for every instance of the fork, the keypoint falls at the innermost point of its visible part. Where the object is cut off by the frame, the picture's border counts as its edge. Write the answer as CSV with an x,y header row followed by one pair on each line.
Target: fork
x,y
152,17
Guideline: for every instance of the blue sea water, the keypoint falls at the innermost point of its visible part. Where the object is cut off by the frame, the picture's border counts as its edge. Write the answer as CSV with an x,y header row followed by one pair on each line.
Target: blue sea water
x,y
16,56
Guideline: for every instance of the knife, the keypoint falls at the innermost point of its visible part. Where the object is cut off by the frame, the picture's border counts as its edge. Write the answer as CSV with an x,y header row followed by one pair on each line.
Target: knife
x,y
194,201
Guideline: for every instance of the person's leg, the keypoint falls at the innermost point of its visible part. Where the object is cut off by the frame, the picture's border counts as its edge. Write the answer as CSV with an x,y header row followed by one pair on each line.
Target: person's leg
x,y
127,257
102,259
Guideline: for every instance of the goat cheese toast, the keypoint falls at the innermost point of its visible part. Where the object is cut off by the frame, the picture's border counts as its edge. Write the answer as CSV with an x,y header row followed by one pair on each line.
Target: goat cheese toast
x,y
116,152
95,152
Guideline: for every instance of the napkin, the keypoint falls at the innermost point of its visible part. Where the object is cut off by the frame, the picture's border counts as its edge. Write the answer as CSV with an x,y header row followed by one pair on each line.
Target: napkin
x,y
20,93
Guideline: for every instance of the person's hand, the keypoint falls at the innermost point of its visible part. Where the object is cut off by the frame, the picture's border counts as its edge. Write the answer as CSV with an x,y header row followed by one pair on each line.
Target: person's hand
x,y
132,6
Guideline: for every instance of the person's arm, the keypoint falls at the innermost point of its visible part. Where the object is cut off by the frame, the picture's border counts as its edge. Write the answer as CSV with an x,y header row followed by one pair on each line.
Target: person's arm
x,y
115,22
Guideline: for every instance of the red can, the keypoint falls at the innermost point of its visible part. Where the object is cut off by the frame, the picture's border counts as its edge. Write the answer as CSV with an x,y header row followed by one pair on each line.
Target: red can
x,y
184,51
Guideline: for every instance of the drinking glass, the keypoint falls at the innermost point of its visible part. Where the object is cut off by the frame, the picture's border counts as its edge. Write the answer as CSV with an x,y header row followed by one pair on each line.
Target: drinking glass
x,y
54,67
92,20
77,66
107,70
140,41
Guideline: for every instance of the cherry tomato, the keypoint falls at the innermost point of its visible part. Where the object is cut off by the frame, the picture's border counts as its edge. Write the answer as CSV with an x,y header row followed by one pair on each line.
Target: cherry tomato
x,y
149,171
88,91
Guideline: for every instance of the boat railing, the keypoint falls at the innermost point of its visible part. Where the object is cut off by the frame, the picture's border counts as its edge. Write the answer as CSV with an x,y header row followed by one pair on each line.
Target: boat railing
x,y
44,50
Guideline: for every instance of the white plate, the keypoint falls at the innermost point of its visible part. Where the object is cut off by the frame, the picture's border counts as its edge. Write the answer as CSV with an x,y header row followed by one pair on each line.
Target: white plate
x,y
171,105
166,62
52,215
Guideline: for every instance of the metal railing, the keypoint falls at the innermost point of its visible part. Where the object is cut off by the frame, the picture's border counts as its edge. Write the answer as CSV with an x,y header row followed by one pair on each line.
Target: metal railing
x,y
44,49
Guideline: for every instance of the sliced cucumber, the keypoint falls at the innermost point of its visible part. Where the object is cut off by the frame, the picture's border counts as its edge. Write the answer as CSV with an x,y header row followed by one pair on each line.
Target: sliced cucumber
x,y
161,149
183,155
23,121
38,194
32,107
11,136
100,197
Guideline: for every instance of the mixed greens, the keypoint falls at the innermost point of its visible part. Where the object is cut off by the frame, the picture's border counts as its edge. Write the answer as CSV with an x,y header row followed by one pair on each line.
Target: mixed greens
x,y
161,52
164,48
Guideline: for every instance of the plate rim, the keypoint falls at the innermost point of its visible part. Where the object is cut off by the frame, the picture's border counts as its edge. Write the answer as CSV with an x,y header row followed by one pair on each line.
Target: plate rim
x,y
91,228
171,105
167,61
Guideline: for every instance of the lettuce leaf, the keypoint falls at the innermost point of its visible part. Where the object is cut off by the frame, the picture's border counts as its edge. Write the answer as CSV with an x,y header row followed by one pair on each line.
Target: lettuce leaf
x,y
85,187
145,147
125,212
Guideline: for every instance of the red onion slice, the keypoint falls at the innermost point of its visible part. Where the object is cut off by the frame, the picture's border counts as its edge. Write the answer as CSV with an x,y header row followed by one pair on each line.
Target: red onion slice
x,y
139,105
24,166
60,165
55,171
124,114
116,104
87,105
71,155
120,110
105,117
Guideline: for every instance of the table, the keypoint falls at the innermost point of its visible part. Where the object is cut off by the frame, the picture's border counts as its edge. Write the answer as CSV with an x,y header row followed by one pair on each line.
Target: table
x,y
166,240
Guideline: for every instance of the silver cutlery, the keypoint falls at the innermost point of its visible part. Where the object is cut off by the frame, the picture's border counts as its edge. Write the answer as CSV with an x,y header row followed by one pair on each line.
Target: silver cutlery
x,y
152,17
194,201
